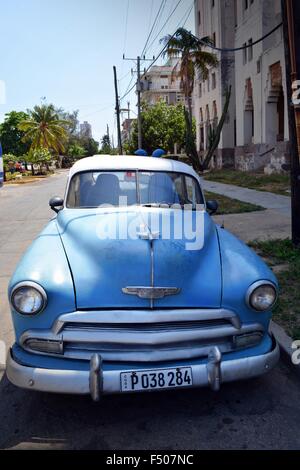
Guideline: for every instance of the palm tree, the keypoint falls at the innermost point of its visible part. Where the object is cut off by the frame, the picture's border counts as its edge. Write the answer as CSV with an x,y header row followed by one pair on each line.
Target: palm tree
x,y
191,59
44,129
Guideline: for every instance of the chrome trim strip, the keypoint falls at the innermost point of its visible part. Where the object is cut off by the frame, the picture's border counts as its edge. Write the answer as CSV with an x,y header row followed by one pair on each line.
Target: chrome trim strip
x,y
214,368
152,270
139,346
145,292
145,316
96,377
136,337
77,381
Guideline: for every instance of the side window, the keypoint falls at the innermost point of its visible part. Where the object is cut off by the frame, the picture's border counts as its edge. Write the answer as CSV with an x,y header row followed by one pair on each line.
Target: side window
x,y
193,192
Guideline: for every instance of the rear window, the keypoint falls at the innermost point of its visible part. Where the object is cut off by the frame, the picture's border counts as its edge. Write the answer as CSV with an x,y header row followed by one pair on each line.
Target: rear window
x,y
121,188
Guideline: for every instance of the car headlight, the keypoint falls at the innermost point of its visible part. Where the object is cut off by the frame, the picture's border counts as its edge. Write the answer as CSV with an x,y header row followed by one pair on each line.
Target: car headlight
x,y
28,298
261,296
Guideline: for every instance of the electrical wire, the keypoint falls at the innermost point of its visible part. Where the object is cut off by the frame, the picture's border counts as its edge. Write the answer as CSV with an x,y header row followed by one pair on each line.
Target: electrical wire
x,y
246,46
165,23
126,24
164,48
163,2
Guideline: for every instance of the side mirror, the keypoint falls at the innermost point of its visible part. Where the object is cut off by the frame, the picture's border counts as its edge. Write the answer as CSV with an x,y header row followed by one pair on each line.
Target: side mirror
x,y
56,203
212,206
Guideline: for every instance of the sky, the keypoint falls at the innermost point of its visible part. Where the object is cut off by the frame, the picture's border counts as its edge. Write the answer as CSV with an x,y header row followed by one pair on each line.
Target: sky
x,y
63,52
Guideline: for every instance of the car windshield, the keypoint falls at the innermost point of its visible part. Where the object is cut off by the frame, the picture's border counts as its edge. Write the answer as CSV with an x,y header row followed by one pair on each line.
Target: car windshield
x,y
122,188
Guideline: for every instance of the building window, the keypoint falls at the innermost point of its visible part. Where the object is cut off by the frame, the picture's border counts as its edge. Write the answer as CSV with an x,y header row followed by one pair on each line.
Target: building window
x,y
212,3
244,53
213,81
245,4
214,39
208,84
199,17
200,90
258,66
250,50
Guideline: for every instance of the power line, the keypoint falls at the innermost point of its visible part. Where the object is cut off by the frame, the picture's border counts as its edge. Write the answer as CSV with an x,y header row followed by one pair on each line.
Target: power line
x,y
167,20
246,46
163,2
171,37
126,24
166,45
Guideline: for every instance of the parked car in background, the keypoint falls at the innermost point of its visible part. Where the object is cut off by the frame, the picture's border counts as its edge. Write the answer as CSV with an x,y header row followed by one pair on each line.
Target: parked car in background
x,y
132,287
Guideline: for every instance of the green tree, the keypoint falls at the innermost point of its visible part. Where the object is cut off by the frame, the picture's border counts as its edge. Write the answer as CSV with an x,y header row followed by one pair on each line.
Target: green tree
x,y
11,136
191,58
90,145
162,127
76,151
39,156
105,145
44,129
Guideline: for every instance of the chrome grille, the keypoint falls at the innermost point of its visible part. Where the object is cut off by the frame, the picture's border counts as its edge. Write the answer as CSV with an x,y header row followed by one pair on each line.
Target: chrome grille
x,y
143,336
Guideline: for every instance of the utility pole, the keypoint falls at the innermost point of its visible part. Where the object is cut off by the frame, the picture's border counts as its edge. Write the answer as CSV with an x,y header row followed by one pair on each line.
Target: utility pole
x,y
138,90
118,112
291,19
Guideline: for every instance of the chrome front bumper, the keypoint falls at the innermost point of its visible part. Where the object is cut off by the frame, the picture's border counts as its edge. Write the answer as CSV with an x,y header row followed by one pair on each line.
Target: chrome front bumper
x,y
97,381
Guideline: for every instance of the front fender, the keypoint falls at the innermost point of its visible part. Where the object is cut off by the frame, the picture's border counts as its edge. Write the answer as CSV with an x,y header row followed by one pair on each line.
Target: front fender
x,y
241,267
45,262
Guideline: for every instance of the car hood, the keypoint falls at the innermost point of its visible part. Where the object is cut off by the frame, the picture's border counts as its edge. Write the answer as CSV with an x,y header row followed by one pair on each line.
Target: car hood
x,y
115,248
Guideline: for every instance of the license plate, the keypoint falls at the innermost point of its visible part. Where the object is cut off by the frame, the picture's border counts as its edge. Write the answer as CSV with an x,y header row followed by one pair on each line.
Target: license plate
x,y
156,379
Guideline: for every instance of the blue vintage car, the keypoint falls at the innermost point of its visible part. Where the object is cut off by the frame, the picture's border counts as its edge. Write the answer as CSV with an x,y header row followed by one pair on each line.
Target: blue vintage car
x,y
132,286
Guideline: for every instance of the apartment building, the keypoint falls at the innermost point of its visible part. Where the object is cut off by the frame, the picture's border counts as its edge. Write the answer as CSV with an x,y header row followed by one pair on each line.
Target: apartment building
x,y
262,132
215,18
85,129
256,131
161,83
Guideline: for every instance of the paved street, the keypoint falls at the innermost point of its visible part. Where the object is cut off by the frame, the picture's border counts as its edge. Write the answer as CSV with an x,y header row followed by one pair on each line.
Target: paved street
x,y
261,413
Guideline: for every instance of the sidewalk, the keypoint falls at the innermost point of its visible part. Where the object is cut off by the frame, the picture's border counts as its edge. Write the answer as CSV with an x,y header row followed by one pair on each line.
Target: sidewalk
x,y
274,222
267,200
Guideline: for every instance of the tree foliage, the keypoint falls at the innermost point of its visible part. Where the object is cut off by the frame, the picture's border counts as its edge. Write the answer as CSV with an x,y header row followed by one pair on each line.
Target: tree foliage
x,y
11,136
44,129
105,145
191,59
162,127
76,151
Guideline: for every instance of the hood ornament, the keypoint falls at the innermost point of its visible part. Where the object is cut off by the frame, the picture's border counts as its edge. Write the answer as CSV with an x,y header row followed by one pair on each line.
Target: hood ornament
x,y
151,292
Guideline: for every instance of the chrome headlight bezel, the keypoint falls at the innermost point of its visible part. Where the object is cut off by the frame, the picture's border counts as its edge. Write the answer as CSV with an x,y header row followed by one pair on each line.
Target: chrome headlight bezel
x,y
32,285
253,288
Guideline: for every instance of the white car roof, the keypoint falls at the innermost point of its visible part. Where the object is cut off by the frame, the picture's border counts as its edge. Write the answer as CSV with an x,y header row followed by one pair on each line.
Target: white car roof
x,y
130,162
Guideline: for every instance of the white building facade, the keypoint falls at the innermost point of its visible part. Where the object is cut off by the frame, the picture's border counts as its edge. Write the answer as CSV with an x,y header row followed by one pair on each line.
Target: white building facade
x,y
161,83
262,132
86,130
255,135
215,18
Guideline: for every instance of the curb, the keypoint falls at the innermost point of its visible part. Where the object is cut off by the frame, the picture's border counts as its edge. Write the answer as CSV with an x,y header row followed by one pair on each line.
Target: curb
x,y
285,345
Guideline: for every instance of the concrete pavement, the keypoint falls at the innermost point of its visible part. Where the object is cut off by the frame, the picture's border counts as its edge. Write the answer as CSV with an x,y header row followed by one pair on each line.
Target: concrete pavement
x,y
274,222
281,204
262,413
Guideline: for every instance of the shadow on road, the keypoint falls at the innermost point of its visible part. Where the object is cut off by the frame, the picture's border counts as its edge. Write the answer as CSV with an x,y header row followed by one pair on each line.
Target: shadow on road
x,y
250,414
